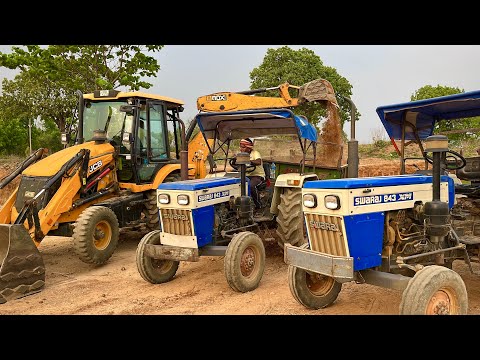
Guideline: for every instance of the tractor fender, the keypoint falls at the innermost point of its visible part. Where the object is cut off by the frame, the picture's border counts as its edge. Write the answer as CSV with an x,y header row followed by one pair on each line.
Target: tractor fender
x,y
290,180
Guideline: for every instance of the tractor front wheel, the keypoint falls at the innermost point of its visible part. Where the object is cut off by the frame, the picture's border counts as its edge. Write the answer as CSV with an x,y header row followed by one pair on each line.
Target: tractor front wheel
x,y
244,261
435,290
155,271
314,291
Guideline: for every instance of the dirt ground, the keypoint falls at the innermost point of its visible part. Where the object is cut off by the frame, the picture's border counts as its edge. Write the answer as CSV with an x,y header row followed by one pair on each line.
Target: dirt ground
x,y
200,288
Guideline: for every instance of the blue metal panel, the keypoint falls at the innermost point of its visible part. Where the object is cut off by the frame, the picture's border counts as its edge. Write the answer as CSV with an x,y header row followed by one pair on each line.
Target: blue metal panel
x,y
365,239
203,219
198,184
355,183
451,192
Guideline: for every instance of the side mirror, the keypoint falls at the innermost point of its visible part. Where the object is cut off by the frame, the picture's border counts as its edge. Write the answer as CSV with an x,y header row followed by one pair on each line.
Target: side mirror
x,y
129,109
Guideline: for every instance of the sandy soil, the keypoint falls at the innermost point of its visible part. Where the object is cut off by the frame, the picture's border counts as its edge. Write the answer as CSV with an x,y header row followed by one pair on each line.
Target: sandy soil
x,y
116,288
73,287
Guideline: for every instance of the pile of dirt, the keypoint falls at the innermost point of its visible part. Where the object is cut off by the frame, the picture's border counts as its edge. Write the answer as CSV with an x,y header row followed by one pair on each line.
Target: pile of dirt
x,y
330,138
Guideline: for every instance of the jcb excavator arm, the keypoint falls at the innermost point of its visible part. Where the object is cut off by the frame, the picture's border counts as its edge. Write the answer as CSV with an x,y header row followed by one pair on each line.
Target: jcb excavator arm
x,y
316,90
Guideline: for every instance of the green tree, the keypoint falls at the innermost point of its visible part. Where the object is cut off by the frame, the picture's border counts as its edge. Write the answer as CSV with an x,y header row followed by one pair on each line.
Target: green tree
x,y
13,137
428,92
49,77
298,67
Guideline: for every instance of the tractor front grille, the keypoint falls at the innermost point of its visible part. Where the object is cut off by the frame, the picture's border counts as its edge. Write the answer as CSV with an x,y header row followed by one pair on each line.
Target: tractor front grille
x,y
326,234
176,221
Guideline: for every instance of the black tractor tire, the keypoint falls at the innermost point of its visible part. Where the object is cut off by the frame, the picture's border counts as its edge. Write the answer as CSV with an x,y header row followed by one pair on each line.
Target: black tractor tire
x,y
244,261
151,213
435,290
95,236
155,271
314,291
290,222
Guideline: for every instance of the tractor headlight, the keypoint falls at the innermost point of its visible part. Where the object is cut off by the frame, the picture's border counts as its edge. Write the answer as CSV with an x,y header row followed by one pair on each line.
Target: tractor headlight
x,y
310,200
64,138
332,202
164,198
183,199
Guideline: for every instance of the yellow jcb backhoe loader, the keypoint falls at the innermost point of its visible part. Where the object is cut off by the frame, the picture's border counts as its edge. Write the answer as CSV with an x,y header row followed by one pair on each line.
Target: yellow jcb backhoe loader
x,y
93,188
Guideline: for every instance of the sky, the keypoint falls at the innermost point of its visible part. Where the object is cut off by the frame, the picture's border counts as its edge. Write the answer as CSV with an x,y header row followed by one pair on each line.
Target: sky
x,y
379,74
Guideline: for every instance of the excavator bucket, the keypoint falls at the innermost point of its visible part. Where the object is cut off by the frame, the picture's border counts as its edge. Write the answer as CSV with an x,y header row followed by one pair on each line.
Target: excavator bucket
x,y
317,90
22,270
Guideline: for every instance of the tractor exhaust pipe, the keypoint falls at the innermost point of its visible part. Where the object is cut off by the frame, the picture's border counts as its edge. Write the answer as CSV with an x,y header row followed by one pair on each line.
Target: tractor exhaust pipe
x,y
436,211
183,152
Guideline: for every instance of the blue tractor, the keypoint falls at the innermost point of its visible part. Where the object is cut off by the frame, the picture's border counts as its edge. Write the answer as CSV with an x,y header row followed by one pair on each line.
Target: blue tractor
x,y
215,216
402,232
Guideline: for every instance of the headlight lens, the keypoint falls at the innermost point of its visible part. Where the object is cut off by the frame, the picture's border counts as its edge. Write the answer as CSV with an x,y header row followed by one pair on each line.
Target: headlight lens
x,y
164,198
310,200
183,199
332,202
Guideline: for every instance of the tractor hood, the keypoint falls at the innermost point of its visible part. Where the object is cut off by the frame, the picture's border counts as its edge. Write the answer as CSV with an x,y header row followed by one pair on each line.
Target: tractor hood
x,y
422,115
52,164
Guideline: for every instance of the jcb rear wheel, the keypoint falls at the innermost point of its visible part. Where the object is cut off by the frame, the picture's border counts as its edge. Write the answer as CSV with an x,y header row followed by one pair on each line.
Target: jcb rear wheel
x,y
290,221
151,214
244,261
155,271
314,291
95,236
435,290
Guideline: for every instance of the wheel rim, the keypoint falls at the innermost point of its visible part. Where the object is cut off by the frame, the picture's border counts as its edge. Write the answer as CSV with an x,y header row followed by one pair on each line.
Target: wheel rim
x,y
162,266
102,235
319,284
443,302
249,262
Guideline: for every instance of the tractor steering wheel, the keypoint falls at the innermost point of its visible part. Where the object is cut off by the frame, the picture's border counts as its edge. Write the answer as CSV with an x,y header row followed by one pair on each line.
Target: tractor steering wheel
x,y
451,161
232,163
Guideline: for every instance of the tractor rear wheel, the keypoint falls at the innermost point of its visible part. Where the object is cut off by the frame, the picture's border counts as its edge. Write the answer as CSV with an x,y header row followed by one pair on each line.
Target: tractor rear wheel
x,y
435,290
244,261
290,221
155,271
314,291
95,236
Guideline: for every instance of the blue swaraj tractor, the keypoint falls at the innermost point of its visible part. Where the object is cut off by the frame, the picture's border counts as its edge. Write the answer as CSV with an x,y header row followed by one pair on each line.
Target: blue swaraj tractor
x,y
402,232
215,216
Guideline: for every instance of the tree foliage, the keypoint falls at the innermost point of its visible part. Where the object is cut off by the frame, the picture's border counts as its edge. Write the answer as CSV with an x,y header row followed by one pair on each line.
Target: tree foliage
x,y
49,77
298,67
428,92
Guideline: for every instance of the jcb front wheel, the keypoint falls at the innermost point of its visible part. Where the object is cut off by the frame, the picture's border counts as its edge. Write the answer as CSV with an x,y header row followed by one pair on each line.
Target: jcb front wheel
x,y
95,236
155,271
435,290
244,261
314,291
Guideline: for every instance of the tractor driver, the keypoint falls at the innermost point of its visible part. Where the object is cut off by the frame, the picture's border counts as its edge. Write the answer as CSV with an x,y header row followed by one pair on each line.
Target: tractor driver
x,y
258,174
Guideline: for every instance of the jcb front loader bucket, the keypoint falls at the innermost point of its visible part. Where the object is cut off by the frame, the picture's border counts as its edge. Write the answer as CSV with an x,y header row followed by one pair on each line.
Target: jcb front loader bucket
x,y
22,269
317,90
